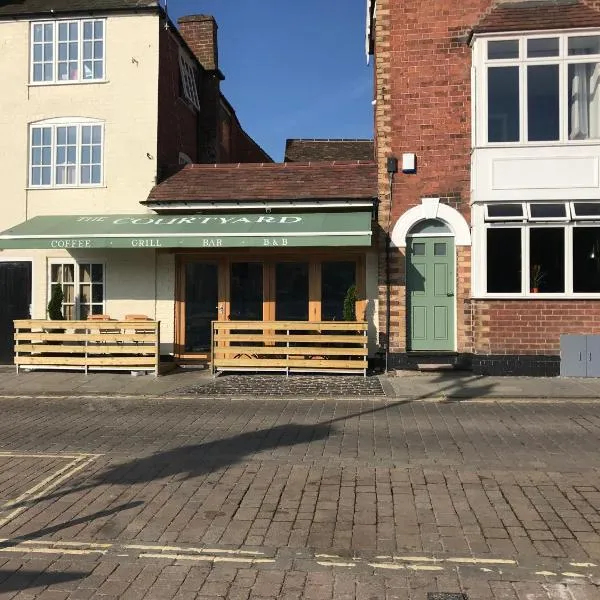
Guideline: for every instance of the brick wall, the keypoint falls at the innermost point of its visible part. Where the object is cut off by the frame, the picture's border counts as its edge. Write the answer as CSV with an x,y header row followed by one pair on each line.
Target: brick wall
x,y
532,326
177,122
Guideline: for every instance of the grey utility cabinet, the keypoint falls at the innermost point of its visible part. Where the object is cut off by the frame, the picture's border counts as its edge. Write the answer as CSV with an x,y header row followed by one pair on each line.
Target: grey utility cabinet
x,y
580,355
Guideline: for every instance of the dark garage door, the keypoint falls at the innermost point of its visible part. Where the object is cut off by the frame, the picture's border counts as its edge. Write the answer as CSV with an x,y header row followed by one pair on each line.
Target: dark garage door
x,y
15,300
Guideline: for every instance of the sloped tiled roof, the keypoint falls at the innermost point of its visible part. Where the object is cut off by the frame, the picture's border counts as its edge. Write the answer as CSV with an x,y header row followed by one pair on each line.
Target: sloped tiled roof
x,y
304,150
14,8
532,15
269,181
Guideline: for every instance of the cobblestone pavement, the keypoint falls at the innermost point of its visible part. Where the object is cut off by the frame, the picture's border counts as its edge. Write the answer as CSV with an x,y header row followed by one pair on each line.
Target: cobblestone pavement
x,y
260,385
214,498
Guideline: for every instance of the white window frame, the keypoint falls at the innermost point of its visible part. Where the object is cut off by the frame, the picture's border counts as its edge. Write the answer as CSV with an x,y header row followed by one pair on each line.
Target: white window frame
x,y
481,224
563,60
77,282
80,60
189,80
53,124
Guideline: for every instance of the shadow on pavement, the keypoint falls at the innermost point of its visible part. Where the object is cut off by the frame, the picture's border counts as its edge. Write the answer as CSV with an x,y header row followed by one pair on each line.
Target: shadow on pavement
x,y
13,581
66,524
200,459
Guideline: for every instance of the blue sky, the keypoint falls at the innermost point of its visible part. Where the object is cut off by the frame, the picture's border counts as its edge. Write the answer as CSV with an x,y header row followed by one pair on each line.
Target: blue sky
x,y
293,68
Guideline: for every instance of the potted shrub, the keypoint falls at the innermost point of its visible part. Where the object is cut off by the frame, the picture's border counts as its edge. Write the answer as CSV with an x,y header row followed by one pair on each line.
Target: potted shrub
x,y
350,304
536,278
55,304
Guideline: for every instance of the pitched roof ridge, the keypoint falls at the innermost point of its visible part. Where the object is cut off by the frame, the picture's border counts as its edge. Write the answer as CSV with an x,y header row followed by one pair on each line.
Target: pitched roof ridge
x,y
279,165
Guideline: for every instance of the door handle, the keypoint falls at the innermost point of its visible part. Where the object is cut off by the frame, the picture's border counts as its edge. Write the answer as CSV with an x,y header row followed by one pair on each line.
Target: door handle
x,y
449,293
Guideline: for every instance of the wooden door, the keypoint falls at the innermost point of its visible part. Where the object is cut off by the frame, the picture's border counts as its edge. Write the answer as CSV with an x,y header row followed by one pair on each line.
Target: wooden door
x,y
430,282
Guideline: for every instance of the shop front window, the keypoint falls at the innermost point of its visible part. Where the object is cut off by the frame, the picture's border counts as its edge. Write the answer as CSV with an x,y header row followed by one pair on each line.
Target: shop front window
x,y
291,291
338,291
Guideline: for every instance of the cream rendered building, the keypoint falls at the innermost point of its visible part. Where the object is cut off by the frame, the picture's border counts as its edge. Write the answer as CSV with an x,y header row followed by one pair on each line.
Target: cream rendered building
x,y
95,98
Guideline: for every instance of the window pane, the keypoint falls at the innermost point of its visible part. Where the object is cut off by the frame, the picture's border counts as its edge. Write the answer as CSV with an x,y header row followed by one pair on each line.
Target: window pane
x,y
46,176
548,211
586,209
98,70
84,293
540,47
246,291
584,101
85,274
48,72
97,293
291,291
88,30
504,260
38,73
503,104
96,175
62,32
418,249
582,45
97,273
38,33
46,156
439,249
338,291
547,259
503,49
98,29
498,211
86,174
586,259
68,272
542,103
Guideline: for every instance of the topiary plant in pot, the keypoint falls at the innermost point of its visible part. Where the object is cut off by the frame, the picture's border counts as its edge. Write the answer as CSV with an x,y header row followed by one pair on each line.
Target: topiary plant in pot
x,y
55,308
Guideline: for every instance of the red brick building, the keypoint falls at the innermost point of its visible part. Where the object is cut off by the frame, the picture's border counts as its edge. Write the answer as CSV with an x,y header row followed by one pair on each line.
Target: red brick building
x,y
492,111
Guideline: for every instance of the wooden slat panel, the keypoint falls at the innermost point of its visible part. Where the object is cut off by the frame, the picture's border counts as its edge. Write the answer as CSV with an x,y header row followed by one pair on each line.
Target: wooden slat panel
x,y
137,361
322,339
292,325
92,325
313,364
107,338
220,351
91,349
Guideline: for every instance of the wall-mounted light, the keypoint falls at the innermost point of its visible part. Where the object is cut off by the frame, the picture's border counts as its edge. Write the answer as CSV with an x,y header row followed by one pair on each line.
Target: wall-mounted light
x,y
409,162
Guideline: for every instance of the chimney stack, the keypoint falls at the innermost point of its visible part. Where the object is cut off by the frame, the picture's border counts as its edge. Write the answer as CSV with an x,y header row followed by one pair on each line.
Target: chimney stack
x,y
200,33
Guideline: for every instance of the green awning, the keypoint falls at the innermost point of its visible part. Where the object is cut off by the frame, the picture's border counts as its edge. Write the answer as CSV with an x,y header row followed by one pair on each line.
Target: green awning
x,y
190,231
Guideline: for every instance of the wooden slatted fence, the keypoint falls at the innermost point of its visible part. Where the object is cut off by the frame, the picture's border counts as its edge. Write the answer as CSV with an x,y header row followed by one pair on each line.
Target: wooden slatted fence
x,y
290,346
87,345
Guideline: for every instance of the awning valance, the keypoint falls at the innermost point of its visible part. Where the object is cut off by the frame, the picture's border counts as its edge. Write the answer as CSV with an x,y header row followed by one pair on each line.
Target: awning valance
x,y
190,231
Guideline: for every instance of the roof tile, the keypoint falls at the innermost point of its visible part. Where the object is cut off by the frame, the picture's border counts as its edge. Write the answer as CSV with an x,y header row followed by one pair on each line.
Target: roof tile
x,y
269,181
538,15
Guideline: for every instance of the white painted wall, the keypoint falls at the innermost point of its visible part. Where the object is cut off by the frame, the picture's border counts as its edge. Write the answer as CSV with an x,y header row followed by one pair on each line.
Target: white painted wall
x,y
127,102
557,172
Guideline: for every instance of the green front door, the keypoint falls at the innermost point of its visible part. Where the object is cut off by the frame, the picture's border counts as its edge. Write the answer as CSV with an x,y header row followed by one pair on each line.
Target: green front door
x,y
430,293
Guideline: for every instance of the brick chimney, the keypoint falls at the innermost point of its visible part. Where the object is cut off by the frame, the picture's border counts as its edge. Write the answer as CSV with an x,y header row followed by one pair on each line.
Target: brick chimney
x,y
200,33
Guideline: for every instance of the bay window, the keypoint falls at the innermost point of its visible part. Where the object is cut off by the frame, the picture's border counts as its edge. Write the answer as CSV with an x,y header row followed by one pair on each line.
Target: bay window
x,y
541,88
536,248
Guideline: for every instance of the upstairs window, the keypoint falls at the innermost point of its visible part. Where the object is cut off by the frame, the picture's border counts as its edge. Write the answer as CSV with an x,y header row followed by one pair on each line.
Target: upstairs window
x,y
67,51
189,81
542,88
66,154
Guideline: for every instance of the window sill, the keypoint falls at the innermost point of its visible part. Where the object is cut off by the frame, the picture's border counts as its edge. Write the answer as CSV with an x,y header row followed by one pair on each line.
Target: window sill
x,y
548,144
66,82
538,296
65,187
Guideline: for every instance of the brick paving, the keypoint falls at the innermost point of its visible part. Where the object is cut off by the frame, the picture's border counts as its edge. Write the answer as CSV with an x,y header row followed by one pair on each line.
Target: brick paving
x,y
277,385
291,498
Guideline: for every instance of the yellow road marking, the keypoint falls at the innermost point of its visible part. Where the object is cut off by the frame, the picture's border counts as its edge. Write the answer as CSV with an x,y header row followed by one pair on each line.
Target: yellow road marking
x,y
192,550
47,484
207,558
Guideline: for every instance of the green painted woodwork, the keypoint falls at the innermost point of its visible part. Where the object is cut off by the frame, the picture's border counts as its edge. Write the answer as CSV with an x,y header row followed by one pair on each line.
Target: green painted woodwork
x,y
191,231
430,283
